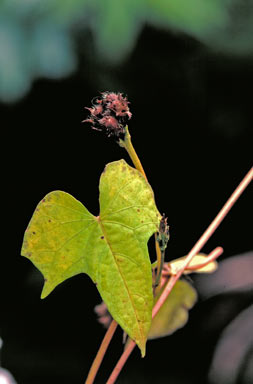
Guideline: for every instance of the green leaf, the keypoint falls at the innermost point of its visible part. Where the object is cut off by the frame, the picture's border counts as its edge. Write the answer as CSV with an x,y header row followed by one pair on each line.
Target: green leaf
x,y
64,239
174,312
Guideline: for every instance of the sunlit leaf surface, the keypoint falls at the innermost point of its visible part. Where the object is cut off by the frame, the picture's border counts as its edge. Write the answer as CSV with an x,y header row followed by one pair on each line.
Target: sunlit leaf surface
x,y
174,312
64,239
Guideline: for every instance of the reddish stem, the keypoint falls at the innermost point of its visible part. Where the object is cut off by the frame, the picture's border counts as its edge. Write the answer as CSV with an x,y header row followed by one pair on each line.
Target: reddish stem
x,y
197,247
212,257
173,279
191,268
101,352
115,373
206,235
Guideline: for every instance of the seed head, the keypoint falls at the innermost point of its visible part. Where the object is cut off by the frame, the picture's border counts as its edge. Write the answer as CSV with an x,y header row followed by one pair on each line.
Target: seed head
x,y
109,113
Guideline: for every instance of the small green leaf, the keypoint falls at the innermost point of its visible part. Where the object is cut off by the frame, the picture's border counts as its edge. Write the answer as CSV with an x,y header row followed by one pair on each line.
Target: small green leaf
x,y
64,239
174,312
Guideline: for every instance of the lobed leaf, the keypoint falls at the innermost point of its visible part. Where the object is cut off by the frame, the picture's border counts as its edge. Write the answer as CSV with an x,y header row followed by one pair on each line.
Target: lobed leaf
x,y
64,239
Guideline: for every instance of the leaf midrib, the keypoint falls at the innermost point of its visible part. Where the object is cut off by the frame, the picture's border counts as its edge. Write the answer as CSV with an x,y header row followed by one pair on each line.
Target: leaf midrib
x,y
130,297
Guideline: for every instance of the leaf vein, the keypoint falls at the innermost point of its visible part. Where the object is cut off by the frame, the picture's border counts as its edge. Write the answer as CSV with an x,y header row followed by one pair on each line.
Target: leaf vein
x,y
116,196
65,207
123,279
72,237
126,208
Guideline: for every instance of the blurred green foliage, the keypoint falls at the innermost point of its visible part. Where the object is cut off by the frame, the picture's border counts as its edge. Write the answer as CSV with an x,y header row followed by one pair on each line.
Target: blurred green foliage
x,y
37,37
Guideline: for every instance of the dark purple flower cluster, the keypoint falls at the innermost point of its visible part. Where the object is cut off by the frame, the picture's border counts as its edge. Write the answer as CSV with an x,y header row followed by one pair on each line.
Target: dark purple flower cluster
x,y
109,113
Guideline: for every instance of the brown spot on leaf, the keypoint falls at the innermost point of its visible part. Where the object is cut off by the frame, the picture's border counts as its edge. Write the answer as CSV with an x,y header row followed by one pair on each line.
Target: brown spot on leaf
x,y
138,210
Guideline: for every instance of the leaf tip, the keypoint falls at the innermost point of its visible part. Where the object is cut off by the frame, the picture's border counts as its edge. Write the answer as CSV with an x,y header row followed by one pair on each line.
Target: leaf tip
x,y
143,351
46,290
142,346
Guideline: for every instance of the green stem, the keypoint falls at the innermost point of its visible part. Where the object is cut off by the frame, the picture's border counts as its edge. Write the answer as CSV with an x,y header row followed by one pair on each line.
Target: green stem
x,y
101,352
159,269
160,261
127,144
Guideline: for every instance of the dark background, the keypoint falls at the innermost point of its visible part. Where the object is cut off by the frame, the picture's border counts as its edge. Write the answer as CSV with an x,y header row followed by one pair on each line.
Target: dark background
x,y
192,129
